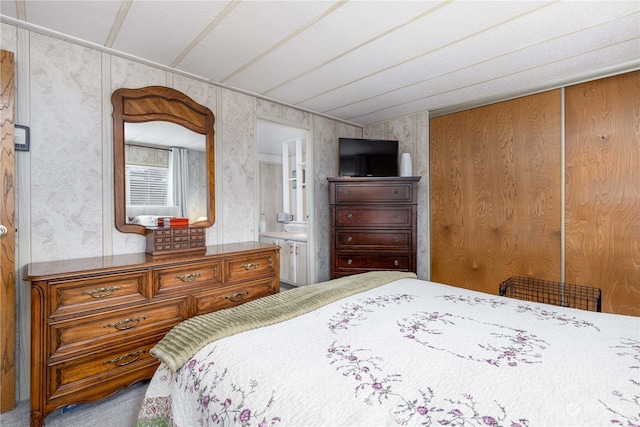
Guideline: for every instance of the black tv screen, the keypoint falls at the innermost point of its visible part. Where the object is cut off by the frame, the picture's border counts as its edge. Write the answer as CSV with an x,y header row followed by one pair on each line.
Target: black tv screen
x,y
368,157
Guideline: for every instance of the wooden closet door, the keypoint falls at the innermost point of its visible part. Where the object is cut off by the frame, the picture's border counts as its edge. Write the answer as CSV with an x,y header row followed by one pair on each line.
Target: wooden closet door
x,y
603,189
7,241
495,193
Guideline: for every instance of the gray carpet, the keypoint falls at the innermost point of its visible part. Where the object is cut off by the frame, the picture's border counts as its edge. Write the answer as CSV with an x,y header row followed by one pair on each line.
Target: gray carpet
x,y
119,410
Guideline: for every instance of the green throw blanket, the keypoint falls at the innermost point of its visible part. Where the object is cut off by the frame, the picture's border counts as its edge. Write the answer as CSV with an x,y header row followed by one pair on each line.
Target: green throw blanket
x,y
187,338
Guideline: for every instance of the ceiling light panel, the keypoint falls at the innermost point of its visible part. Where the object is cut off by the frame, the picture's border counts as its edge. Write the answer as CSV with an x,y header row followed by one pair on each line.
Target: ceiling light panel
x,y
247,32
334,35
442,94
432,32
86,20
160,30
477,57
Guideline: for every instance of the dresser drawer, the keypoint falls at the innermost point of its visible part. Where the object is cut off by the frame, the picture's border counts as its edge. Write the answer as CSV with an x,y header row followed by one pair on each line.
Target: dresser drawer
x,y
399,216
397,240
89,333
374,193
248,267
350,262
79,295
230,296
120,365
177,279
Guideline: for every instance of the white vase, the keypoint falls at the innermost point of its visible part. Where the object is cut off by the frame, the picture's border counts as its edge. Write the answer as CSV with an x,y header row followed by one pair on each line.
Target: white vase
x,y
405,165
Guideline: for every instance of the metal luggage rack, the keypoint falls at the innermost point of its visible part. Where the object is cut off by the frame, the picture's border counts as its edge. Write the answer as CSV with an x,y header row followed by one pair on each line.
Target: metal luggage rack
x,y
556,293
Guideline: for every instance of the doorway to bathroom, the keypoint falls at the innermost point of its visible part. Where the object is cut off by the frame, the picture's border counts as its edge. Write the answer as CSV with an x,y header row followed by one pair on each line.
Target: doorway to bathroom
x,y
285,197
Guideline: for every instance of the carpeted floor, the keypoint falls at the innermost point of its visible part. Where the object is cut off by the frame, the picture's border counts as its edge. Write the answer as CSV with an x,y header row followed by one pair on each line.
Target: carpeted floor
x,y
119,410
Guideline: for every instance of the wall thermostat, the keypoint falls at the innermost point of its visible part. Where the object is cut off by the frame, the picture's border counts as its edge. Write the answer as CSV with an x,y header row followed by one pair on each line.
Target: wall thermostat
x,y
21,138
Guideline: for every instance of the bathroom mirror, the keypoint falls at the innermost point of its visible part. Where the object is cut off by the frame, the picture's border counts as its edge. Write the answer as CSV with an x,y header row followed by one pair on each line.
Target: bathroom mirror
x,y
155,130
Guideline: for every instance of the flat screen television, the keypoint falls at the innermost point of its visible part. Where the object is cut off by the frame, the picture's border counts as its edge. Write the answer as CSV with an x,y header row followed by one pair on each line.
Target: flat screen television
x,y
367,157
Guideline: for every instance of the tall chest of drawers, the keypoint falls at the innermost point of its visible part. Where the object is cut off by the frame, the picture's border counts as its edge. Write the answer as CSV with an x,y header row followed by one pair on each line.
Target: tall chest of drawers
x,y
373,224
94,320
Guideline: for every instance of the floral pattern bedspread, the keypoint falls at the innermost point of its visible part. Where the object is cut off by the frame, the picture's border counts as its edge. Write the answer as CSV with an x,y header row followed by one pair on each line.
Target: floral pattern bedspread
x,y
412,353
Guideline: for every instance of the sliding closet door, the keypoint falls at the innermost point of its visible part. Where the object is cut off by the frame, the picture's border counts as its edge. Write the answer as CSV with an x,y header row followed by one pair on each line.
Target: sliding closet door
x,y
7,238
495,193
603,189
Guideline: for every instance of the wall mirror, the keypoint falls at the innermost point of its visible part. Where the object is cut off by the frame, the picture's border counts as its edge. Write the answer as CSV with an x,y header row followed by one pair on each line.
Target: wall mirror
x,y
163,158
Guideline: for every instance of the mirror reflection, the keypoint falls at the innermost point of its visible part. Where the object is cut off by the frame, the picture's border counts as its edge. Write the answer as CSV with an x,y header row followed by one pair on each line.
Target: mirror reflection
x,y
165,173
163,159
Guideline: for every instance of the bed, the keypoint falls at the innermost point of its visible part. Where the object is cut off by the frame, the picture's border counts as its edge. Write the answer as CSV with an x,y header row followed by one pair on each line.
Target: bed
x,y
388,349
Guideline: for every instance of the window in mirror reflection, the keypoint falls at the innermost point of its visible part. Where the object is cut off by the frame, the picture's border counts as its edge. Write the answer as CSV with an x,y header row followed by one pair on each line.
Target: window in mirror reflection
x,y
165,173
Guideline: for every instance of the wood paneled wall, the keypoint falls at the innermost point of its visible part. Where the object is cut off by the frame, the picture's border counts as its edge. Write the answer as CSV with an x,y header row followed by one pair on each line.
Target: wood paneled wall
x,y
495,193
496,189
603,189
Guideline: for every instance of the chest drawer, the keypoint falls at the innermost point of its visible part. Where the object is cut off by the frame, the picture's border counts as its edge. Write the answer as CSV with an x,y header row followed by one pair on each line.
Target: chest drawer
x,y
176,279
88,333
230,296
75,296
248,267
367,262
374,193
398,240
348,216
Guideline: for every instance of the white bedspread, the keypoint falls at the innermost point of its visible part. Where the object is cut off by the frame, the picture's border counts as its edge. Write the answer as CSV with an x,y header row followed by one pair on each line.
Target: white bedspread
x,y
412,353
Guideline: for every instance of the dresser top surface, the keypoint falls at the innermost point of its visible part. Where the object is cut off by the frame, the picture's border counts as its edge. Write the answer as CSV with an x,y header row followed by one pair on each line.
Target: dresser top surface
x,y
52,269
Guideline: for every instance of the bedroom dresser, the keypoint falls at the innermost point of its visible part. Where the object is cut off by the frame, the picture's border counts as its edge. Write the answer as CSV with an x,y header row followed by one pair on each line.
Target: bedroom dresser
x,y
373,224
94,320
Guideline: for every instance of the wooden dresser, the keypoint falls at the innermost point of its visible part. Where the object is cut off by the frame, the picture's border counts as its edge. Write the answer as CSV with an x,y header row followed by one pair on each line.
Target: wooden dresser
x,y
94,320
373,224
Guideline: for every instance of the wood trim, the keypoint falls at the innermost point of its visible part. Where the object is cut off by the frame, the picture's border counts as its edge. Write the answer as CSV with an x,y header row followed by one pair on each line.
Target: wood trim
x,y
7,242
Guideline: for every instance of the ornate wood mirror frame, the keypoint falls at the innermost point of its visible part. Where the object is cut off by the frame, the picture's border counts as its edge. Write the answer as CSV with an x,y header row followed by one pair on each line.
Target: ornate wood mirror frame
x,y
158,103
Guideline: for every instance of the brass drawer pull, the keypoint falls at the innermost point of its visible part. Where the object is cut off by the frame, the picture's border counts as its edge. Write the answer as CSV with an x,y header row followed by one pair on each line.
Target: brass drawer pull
x,y
238,296
252,266
101,292
125,359
188,277
125,323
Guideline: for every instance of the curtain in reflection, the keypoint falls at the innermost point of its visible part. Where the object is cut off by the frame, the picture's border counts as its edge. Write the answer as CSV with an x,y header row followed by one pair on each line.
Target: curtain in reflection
x,y
179,179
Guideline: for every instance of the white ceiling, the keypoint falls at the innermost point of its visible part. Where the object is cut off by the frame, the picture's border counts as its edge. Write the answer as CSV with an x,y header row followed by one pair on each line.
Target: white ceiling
x,y
358,61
